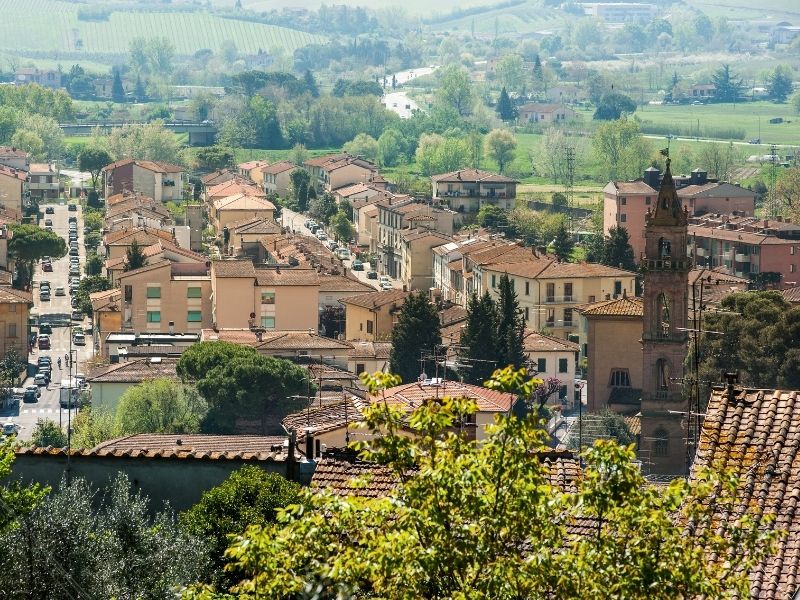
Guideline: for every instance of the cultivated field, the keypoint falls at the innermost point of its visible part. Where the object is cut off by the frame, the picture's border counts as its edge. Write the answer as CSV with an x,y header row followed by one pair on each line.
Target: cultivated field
x,y
53,26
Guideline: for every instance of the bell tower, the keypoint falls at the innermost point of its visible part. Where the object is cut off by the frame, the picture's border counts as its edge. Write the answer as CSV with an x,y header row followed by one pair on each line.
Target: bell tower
x,y
664,338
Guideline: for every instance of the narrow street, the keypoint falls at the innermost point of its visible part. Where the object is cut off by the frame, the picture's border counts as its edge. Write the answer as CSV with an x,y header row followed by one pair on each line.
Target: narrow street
x,y
26,414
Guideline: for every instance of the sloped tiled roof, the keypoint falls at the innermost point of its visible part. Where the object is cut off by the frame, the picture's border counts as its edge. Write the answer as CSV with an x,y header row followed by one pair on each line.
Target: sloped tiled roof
x,y
134,371
377,299
18,174
633,187
471,176
452,314
530,268
219,176
277,277
254,226
233,268
573,270
755,433
232,187
534,341
370,350
337,474
252,164
621,307
107,300
145,236
246,447
411,395
9,295
342,283
243,201
148,267
329,417
792,294
278,167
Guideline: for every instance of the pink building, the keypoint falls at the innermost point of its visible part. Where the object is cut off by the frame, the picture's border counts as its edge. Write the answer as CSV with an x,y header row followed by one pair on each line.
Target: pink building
x,y
625,203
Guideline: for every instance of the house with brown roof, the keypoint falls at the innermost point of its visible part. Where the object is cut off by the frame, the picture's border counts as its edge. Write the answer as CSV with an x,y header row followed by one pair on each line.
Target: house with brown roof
x,y
369,357
14,158
332,424
333,288
43,182
371,317
158,180
344,474
252,170
334,171
12,188
231,187
160,250
117,242
106,314
135,210
553,358
219,176
356,192
231,209
469,189
245,236
109,382
416,256
277,177
15,306
166,296
536,112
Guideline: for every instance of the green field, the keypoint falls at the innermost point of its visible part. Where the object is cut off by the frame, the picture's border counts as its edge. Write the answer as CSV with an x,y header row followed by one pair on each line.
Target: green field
x,y
53,26
746,116
748,9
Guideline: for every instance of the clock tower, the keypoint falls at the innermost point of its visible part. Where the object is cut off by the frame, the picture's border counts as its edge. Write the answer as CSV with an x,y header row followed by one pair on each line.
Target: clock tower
x,y
663,444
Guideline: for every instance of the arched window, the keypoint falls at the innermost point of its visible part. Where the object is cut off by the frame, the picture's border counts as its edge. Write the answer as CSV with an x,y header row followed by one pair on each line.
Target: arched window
x,y
661,442
662,309
662,375
664,248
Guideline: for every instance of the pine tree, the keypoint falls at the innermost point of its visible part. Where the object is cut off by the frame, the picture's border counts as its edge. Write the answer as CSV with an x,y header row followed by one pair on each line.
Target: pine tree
x,y
117,90
563,244
617,251
538,72
510,327
134,257
479,340
139,90
311,83
728,86
505,108
416,333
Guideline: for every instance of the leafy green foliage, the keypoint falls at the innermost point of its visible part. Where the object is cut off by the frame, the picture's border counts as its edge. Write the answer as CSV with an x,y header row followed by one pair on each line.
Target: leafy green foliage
x,y
17,500
416,333
485,521
215,157
613,106
437,154
93,159
563,245
159,406
29,244
363,145
500,146
148,141
505,109
89,285
617,251
510,326
342,227
91,427
94,264
455,89
35,99
779,83
620,148
301,181
249,496
134,257
491,216
111,545
478,352
728,86
48,433
322,209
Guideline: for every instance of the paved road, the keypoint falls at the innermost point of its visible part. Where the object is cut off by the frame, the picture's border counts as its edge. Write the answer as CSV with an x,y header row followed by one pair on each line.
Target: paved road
x,y
295,220
47,407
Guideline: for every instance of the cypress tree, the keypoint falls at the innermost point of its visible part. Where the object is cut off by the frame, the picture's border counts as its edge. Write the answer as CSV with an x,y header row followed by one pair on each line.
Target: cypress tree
x,y
505,109
617,251
139,90
416,332
510,327
563,244
479,340
117,91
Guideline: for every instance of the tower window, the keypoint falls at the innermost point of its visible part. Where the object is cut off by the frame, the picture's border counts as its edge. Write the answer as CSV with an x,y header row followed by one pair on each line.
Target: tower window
x,y
662,375
661,442
620,378
664,248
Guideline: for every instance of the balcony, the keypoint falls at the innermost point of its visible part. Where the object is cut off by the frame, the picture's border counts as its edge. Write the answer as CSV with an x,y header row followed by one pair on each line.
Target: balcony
x,y
701,252
560,299
742,258
669,265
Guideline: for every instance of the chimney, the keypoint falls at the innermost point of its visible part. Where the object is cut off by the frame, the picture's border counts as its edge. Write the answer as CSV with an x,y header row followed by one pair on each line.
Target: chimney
x,y
309,445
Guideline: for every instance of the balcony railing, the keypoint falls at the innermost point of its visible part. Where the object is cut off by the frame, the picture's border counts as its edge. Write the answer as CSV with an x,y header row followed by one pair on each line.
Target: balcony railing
x,y
560,299
741,258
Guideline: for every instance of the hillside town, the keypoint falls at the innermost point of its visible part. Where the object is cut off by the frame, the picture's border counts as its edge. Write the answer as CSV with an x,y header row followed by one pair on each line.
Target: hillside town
x,y
468,301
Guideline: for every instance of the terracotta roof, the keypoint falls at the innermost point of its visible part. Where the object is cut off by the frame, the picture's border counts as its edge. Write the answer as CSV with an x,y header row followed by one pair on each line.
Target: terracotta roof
x,y
254,226
373,350
275,340
41,168
243,201
9,295
357,188
634,423
120,261
633,187
219,176
714,190
107,300
12,151
792,294
325,418
377,299
318,161
540,107
134,371
472,176
278,167
529,269
232,187
14,173
342,283
200,445
409,235
346,475
507,253
145,236
573,270
160,264
452,314
233,268
534,341
409,396
273,277
754,433
737,235
159,167
252,164
621,307
715,276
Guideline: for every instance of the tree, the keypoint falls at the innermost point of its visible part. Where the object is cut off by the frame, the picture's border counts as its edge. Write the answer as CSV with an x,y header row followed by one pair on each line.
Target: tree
x,y
510,70
455,89
563,244
29,244
491,216
323,208
117,91
94,264
93,159
363,145
342,227
45,129
301,180
17,499
93,200
149,141
390,148
703,27
239,383
29,142
214,157
728,87
159,406
613,106
437,154
89,285
415,335
796,103
202,105
779,83
134,257
617,251
505,109
787,190
249,496
510,326
139,92
311,84
48,433
107,544
478,352
719,160
521,541
621,149
500,145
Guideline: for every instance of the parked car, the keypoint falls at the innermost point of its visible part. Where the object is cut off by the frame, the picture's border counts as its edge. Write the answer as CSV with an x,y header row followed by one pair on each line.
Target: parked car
x,y
31,394
385,279
72,207
60,291
44,342
44,360
343,253
76,314
357,265
48,222
41,379
49,210
10,428
73,252
78,339
372,274
47,267
387,285
74,270
44,295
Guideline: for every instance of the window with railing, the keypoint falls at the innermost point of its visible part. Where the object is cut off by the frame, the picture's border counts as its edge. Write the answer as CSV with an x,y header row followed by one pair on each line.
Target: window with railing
x,y
620,378
568,292
550,292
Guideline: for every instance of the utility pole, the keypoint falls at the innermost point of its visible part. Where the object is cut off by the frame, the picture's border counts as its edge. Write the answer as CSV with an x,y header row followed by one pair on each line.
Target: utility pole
x,y
774,210
568,187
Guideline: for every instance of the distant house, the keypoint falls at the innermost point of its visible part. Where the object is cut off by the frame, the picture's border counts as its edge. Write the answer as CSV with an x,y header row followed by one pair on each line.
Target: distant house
x,y
369,357
252,170
370,317
12,186
238,207
158,180
469,189
533,112
15,307
109,382
703,90
14,158
43,182
785,34
334,171
276,178
49,78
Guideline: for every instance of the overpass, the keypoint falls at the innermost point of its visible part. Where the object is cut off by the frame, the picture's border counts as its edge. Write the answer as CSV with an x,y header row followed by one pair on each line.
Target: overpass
x,y
200,134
